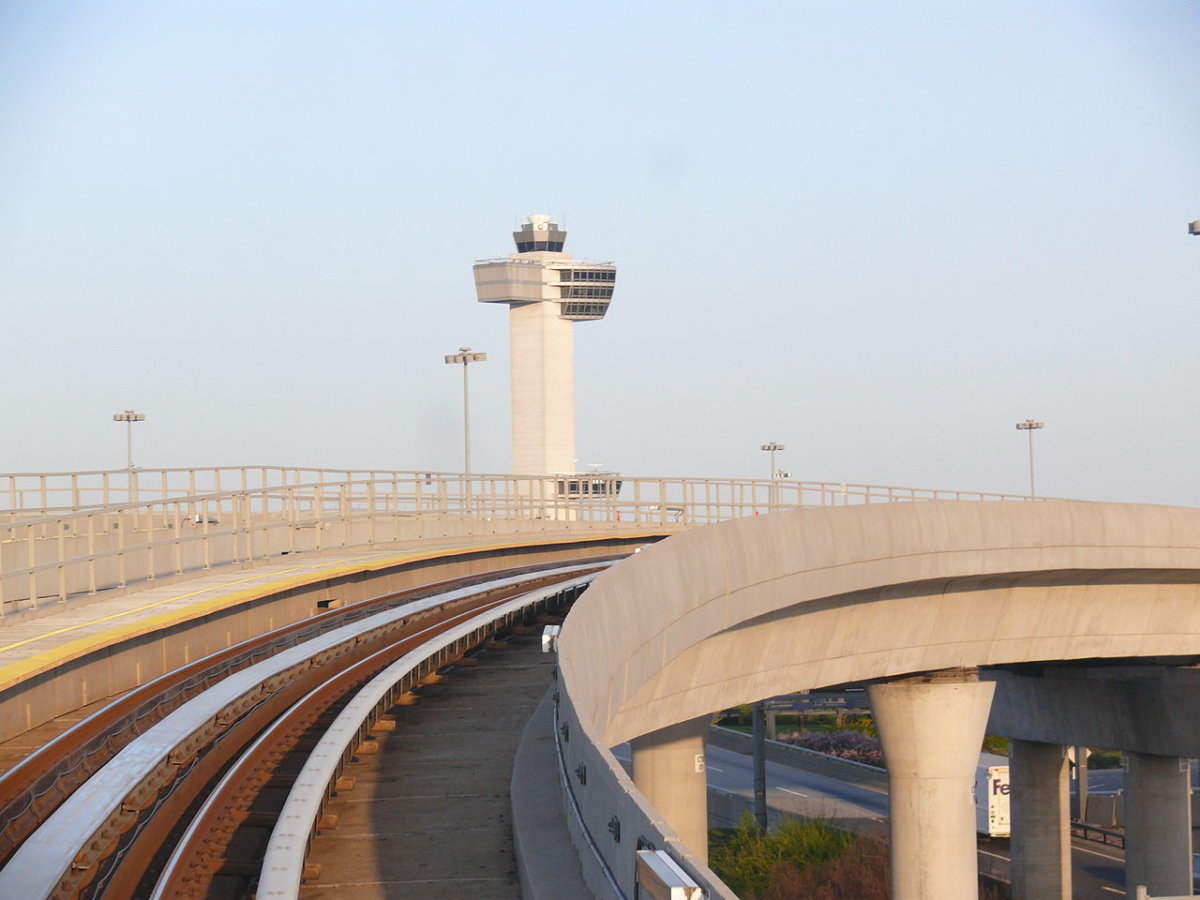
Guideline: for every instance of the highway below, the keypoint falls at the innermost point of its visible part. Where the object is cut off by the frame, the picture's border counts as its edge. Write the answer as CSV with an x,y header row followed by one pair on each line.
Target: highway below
x,y
1098,872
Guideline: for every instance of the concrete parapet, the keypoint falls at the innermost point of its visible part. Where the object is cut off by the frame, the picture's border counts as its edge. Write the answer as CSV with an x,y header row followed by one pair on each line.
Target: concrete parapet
x,y
83,654
610,820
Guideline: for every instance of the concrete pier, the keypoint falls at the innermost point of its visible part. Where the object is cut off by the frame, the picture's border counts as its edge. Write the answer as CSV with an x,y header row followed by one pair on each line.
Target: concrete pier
x,y
669,770
1158,825
1041,840
931,730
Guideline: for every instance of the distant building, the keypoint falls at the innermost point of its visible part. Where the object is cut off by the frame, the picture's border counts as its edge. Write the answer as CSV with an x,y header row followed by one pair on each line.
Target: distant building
x,y
547,292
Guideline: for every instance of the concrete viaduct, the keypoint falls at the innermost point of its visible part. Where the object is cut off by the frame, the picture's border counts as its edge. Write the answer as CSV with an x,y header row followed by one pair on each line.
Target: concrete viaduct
x,y
1054,623
1081,620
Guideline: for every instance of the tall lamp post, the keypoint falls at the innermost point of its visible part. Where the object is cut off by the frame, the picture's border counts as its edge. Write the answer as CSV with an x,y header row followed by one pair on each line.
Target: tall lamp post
x,y
464,357
758,709
771,447
1030,426
129,417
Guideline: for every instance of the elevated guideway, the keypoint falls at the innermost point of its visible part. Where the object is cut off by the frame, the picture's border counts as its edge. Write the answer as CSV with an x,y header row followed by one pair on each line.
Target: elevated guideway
x,y
96,598
938,605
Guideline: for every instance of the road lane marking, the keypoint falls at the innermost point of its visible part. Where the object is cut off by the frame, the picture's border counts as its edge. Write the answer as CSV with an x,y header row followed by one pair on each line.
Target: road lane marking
x,y
1112,890
790,791
713,768
1082,849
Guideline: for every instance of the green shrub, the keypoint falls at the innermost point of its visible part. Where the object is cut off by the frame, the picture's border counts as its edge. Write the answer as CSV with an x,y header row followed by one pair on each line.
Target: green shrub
x,y
993,743
865,724
744,859
1105,759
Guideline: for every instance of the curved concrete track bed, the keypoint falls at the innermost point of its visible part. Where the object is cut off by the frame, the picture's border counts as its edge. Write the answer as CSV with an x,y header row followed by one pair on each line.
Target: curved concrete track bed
x,y
917,595
758,607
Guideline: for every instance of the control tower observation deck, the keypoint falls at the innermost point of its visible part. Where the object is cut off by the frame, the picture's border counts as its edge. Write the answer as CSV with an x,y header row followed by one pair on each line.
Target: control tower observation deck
x,y
547,291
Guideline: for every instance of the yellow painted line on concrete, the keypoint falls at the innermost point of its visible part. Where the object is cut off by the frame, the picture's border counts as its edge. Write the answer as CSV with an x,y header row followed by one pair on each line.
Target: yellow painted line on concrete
x,y
18,671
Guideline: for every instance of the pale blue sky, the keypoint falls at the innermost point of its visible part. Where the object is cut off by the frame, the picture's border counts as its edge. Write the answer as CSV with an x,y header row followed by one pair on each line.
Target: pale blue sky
x,y
881,233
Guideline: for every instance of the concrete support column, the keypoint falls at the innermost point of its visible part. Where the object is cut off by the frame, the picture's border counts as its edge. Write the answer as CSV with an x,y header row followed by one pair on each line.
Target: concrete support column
x,y
931,730
668,768
1158,825
1040,809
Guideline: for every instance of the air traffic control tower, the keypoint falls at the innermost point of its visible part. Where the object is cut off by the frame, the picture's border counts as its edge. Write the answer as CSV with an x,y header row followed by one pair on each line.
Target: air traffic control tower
x,y
547,292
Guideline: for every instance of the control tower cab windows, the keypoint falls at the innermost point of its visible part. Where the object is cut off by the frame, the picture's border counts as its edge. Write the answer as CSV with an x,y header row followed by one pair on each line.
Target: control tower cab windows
x,y
582,312
575,291
534,246
588,274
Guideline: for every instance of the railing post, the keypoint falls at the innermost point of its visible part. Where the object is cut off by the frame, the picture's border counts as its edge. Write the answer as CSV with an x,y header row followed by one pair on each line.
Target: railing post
x,y
3,586
120,551
371,511
149,544
62,561
178,527
91,544
319,515
205,542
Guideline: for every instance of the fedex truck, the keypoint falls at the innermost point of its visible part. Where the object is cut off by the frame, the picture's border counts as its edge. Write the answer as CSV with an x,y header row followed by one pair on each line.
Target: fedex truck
x,y
991,795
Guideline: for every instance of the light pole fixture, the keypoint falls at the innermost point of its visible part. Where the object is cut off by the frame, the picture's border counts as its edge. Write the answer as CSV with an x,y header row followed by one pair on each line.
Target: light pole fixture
x,y
773,491
464,357
1030,426
771,447
129,417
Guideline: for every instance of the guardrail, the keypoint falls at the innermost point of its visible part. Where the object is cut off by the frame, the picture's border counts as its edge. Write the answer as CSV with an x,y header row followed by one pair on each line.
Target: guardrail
x,y
1095,833
43,493
88,542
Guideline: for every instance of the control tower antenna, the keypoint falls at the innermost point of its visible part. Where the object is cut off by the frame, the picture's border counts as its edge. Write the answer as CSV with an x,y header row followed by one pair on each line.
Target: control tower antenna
x,y
547,291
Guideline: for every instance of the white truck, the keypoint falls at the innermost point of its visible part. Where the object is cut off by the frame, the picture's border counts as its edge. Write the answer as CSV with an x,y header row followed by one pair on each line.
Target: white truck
x,y
991,795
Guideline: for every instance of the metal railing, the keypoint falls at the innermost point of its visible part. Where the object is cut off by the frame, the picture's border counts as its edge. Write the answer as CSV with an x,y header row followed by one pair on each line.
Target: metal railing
x,y
50,492
70,534
32,494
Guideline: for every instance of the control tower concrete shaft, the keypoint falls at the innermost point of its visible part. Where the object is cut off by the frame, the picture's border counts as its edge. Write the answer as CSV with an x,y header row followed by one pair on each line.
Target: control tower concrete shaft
x,y
547,292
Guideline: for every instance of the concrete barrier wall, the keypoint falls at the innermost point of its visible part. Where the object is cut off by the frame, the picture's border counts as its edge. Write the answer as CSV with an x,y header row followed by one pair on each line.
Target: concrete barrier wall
x,y
846,770
113,667
109,551
1105,810
614,820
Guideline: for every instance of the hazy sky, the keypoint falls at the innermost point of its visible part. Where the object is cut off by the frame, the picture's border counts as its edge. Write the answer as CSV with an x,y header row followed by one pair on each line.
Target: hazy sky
x,y
880,233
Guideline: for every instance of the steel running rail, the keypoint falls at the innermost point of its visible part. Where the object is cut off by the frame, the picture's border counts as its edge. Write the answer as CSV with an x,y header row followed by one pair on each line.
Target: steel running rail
x,y
283,864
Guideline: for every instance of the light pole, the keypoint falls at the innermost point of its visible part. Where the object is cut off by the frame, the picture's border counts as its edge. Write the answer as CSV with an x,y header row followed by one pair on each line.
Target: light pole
x,y
758,760
771,447
465,356
1030,426
129,417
